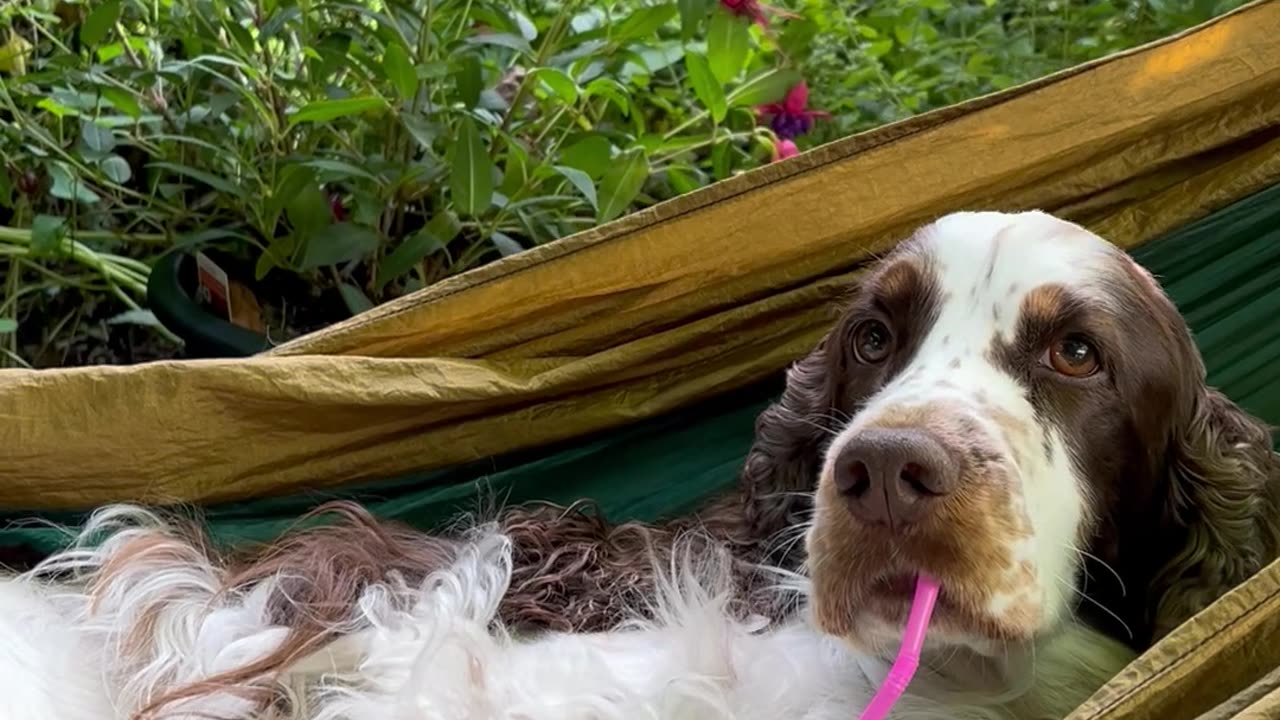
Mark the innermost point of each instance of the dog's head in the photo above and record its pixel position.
(1012, 405)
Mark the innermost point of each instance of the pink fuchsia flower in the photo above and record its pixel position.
(753, 10)
(337, 209)
(792, 117)
(784, 149)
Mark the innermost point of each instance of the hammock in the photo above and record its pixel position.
(627, 363)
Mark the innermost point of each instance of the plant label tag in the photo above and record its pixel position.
(213, 288)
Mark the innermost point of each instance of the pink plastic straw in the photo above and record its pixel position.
(908, 659)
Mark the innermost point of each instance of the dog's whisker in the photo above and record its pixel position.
(1106, 566)
(1110, 613)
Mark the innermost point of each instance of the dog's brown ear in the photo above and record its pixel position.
(782, 466)
(1223, 500)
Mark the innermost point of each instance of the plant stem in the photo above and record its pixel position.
(23, 236)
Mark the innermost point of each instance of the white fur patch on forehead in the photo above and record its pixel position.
(987, 262)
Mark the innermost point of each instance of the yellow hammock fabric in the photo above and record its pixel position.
(688, 300)
(1222, 664)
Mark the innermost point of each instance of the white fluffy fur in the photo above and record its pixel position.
(441, 657)
(46, 671)
(68, 654)
(435, 652)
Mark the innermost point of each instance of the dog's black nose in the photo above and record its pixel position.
(893, 477)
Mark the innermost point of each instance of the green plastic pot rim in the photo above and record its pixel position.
(205, 334)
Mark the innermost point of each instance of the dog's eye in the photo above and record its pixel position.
(872, 342)
(1073, 356)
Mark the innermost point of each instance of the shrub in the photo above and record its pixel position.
(349, 151)
(368, 147)
(871, 63)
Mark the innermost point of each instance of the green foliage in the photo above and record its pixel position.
(871, 63)
(328, 138)
(372, 147)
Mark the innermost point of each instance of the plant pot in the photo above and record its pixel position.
(171, 294)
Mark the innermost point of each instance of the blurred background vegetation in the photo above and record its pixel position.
(336, 154)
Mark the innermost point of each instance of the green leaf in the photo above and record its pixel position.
(798, 37)
(339, 169)
(213, 181)
(47, 234)
(622, 183)
(435, 236)
(767, 87)
(8, 326)
(471, 180)
(278, 21)
(308, 212)
(142, 317)
(357, 302)
(400, 70)
(592, 155)
(292, 180)
(643, 24)
(420, 128)
(507, 40)
(68, 186)
(879, 48)
(705, 85)
(99, 22)
(559, 83)
(728, 41)
(336, 244)
(278, 254)
(979, 64)
(241, 36)
(682, 180)
(505, 244)
(97, 138)
(327, 110)
(720, 160)
(433, 70)
(469, 80)
(582, 181)
(515, 169)
(613, 91)
(123, 101)
(692, 13)
(528, 30)
(57, 108)
(116, 169)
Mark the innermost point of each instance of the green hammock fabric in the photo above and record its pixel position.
(1223, 271)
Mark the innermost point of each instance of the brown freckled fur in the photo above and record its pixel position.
(1146, 432)
(1044, 304)
(897, 280)
(966, 544)
(1015, 429)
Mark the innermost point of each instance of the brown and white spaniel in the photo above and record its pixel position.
(1008, 404)
(1013, 404)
